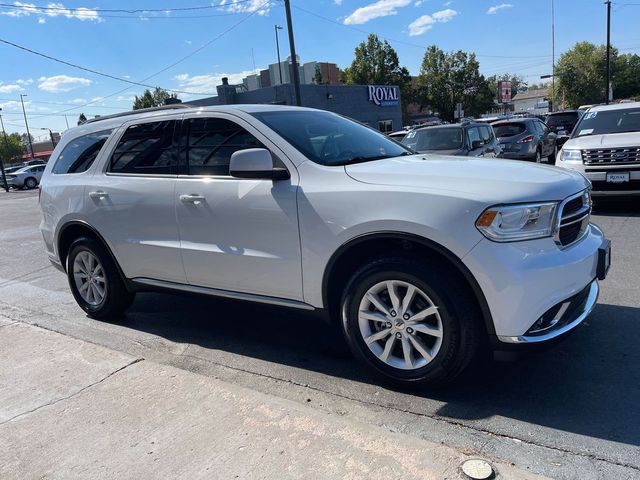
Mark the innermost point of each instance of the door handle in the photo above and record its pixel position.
(192, 198)
(99, 195)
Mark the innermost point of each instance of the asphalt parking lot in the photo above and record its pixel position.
(572, 412)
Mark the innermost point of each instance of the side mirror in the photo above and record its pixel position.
(255, 163)
(477, 144)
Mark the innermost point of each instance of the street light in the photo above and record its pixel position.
(6, 141)
(53, 142)
(277, 27)
(22, 95)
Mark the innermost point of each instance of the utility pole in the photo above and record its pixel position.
(6, 141)
(553, 56)
(292, 46)
(607, 89)
(53, 143)
(66, 121)
(278, 50)
(22, 95)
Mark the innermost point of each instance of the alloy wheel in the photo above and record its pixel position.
(89, 277)
(400, 324)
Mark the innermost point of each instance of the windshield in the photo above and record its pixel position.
(608, 121)
(329, 139)
(565, 120)
(434, 139)
(509, 129)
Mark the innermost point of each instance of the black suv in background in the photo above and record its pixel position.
(471, 139)
(526, 139)
(562, 123)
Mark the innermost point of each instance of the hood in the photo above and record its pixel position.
(490, 180)
(610, 140)
(454, 151)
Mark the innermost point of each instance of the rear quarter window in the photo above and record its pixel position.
(80, 153)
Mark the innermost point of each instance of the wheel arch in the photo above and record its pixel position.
(346, 260)
(74, 229)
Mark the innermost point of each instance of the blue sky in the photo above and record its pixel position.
(507, 35)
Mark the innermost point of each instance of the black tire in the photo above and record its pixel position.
(461, 331)
(116, 298)
(30, 183)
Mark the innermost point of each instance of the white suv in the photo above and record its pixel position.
(421, 259)
(605, 147)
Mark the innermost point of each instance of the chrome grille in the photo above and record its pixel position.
(611, 156)
(573, 219)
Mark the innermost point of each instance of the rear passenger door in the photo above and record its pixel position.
(236, 234)
(489, 141)
(130, 200)
(474, 135)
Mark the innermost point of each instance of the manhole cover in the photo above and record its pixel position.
(477, 469)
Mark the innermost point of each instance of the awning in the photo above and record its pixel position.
(46, 153)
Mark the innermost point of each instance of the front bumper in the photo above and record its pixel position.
(523, 281)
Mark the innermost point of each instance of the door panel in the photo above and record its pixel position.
(236, 234)
(135, 211)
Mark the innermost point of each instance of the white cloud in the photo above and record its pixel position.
(418, 3)
(421, 24)
(62, 83)
(125, 98)
(10, 88)
(54, 10)
(381, 8)
(206, 84)
(337, 2)
(78, 101)
(28, 81)
(246, 6)
(493, 10)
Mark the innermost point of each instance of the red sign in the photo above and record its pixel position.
(504, 92)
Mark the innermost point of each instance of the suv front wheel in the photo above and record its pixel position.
(95, 280)
(411, 323)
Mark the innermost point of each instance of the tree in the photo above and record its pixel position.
(11, 148)
(157, 98)
(376, 63)
(449, 78)
(583, 69)
(626, 75)
(82, 119)
(317, 76)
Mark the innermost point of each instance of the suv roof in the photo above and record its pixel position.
(615, 106)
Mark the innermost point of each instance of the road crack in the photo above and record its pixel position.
(74, 394)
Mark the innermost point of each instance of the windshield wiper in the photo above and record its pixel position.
(361, 159)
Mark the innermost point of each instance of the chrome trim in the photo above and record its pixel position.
(215, 292)
(590, 303)
(586, 215)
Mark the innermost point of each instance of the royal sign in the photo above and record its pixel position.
(384, 96)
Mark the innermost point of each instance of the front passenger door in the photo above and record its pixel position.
(235, 234)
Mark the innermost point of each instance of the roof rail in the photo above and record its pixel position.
(174, 106)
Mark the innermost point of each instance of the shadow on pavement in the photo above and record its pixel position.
(588, 384)
(617, 207)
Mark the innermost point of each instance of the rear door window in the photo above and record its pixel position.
(80, 153)
(474, 134)
(485, 133)
(146, 148)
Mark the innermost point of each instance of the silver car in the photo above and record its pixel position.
(28, 177)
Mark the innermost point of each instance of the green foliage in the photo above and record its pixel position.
(317, 77)
(157, 98)
(82, 119)
(377, 63)
(11, 147)
(448, 78)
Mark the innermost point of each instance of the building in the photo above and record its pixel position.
(532, 101)
(378, 106)
(329, 72)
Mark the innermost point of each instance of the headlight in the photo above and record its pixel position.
(569, 155)
(511, 223)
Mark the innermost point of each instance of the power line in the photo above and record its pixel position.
(404, 42)
(189, 55)
(90, 70)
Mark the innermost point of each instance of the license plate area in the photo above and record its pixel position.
(617, 177)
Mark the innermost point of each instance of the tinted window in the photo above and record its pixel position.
(80, 153)
(212, 141)
(474, 134)
(485, 133)
(564, 120)
(146, 148)
(330, 139)
(447, 138)
(508, 129)
(608, 121)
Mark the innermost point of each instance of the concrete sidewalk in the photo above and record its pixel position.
(72, 409)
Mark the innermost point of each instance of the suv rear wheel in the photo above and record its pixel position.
(411, 323)
(95, 280)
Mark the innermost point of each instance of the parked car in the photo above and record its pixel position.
(399, 135)
(418, 259)
(471, 139)
(526, 139)
(26, 177)
(562, 123)
(605, 147)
